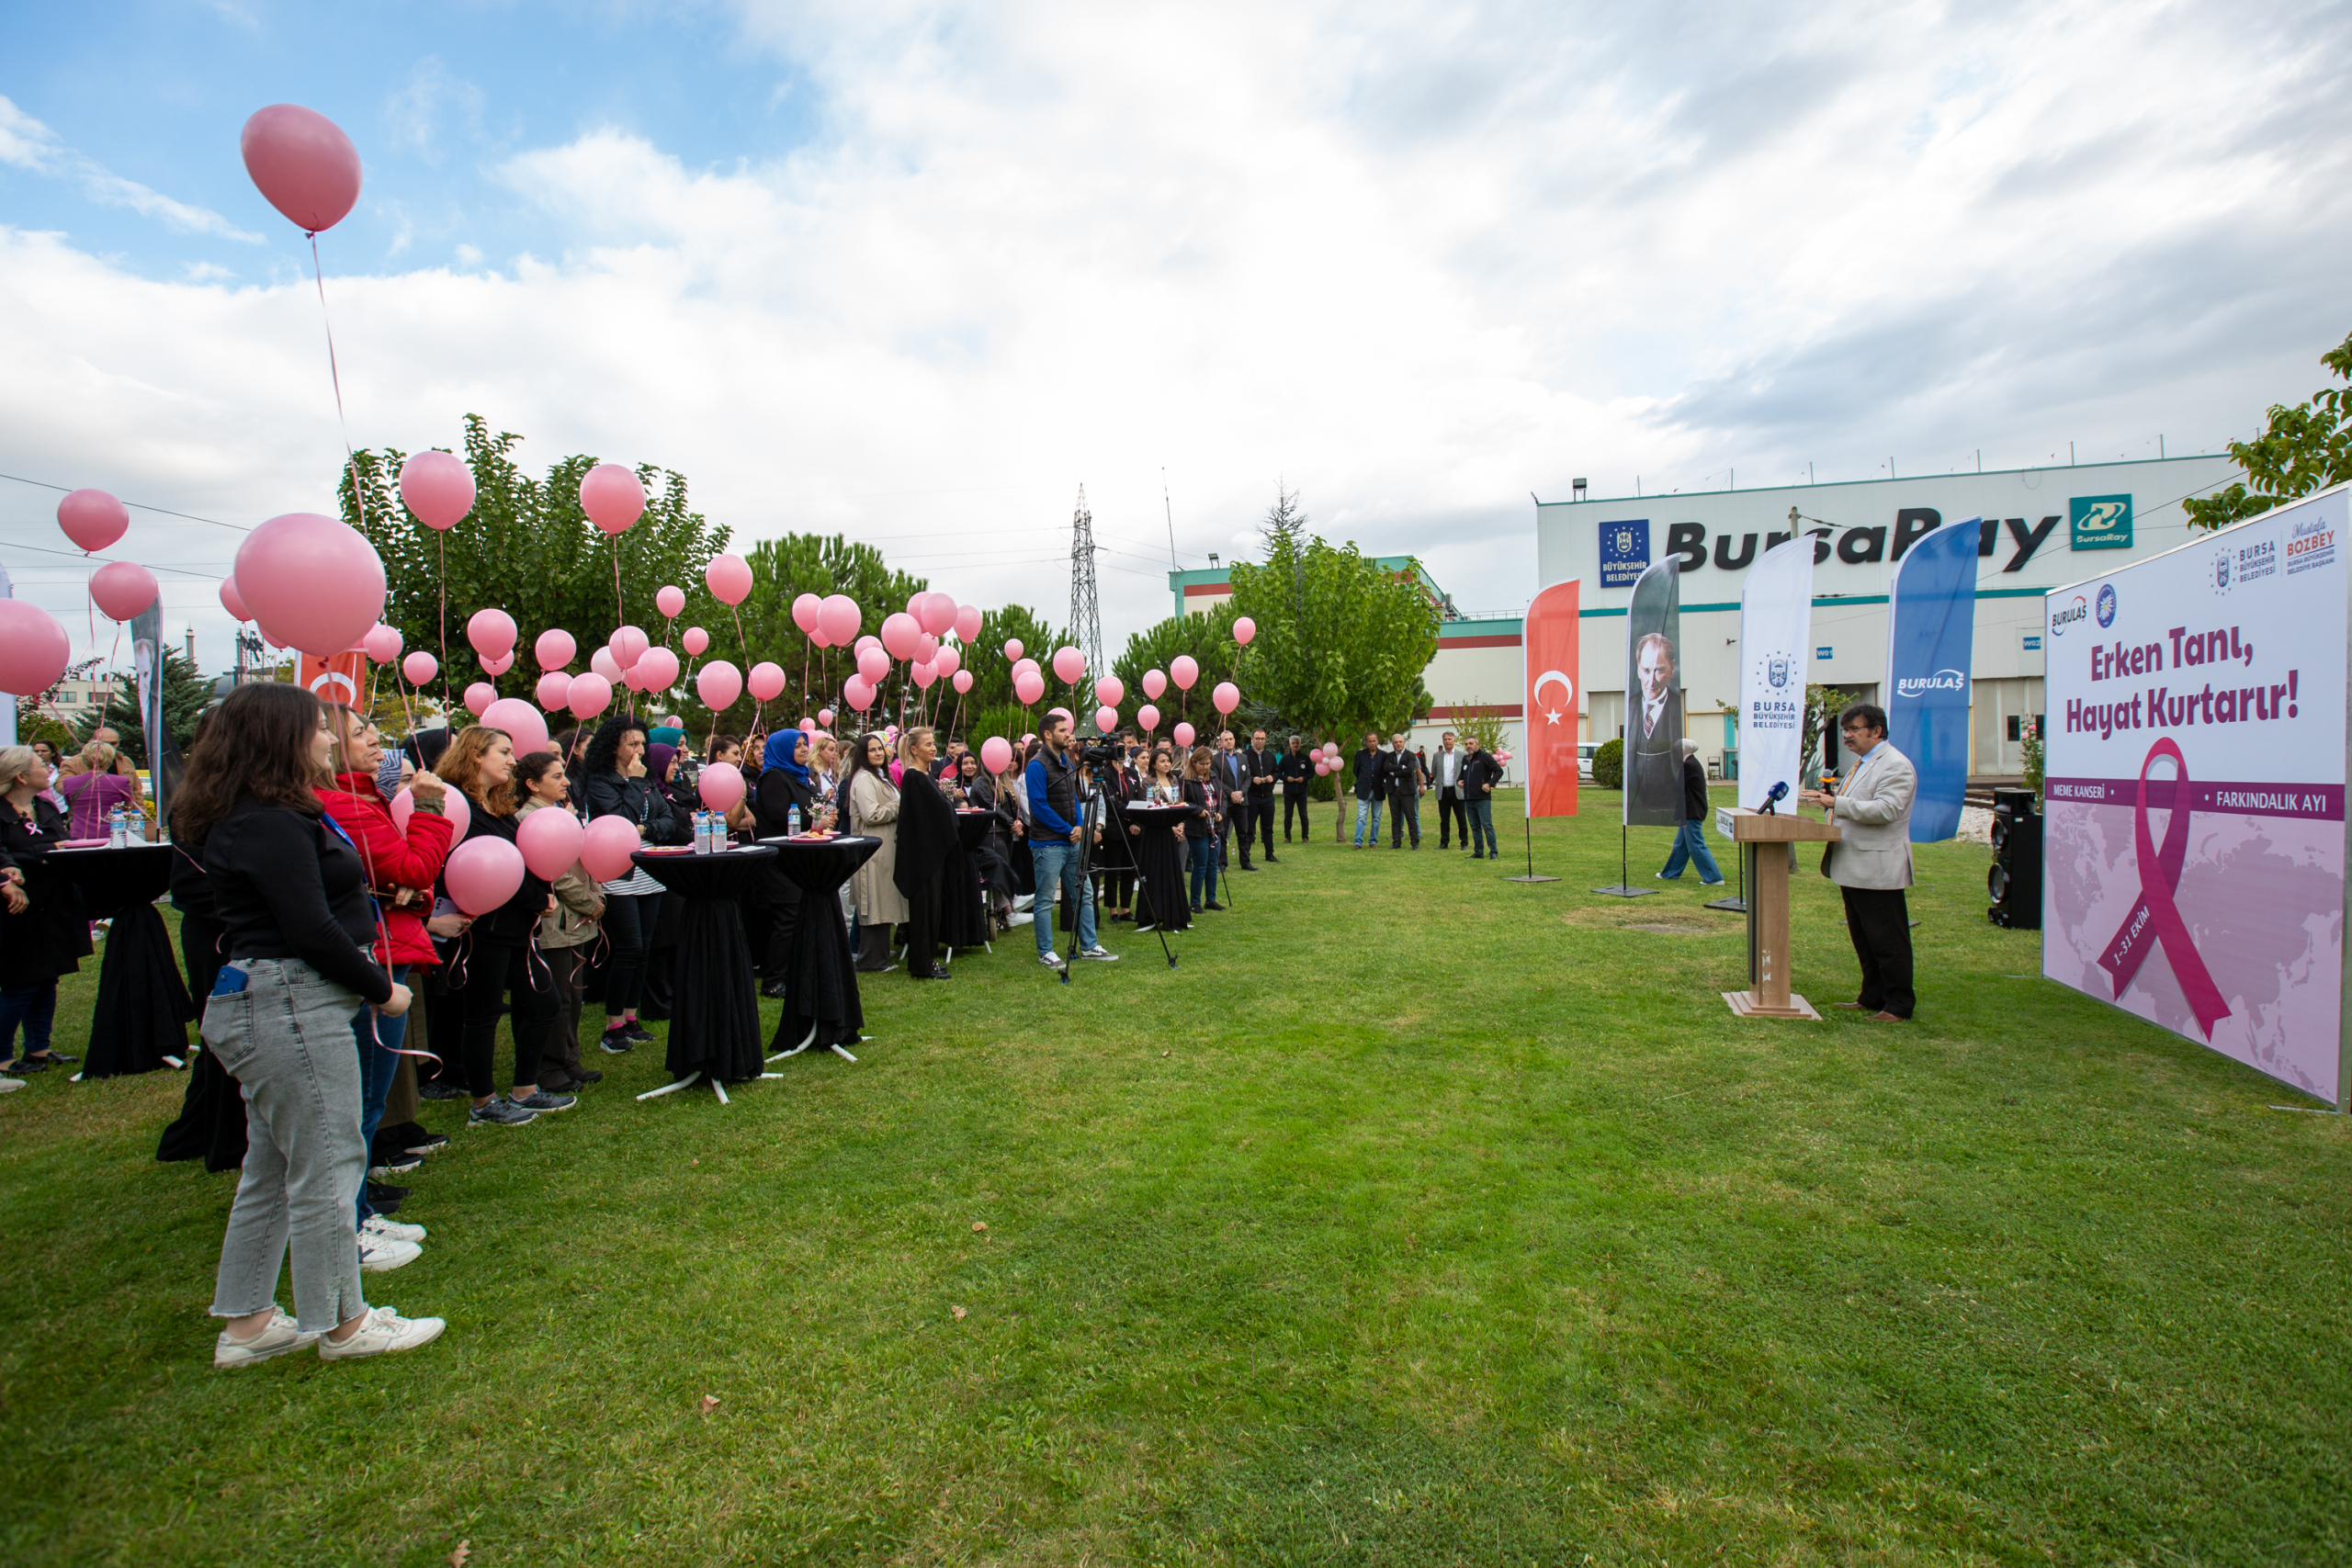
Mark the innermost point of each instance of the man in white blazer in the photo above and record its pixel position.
(1871, 863)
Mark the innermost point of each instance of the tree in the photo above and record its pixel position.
(992, 671)
(1485, 728)
(2304, 449)
(185, 690)
(1207, 638)
(527, 548)
(783, 570)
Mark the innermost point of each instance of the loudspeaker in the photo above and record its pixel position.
(2015, 882)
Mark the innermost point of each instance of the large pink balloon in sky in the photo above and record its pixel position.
(1154, 682)
(858, 692)
(937, 613)
(901, 637)
(1227, 696)
(718, 683)
(522, 722)
(1013, 648)
(554, 691)
(1069, 665)
(311, 581)
(231, 601)
(438, 488)
(555, 650)
(588, 694)
(839, 619)
(1244, 628)
(93, 519)
(1183, 671)
(419, 668)
(805, 610)
(657, 669)
(305, 167)
(873, 663)
(729, 578)
(492, 632)
(1028, 685)
(34, 648)
(968, 622)
(670, 600)
(122, 589)
(695, 641)
(612, 497)
(766, 681)
(382, 643)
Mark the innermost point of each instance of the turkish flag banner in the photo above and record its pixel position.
(342, 678)
(1549, 644)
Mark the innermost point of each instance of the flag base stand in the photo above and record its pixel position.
(1728, 905)
(1624, 889)
(1531, 879)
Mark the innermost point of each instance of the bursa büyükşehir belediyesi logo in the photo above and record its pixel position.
(2067, 612)
(2106, 605)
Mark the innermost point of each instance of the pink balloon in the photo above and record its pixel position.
(1069, 665)
(93, 519)
(589, 696)
(938, 612)
(603, 662)
(657, 668)
(729, 578)
(419, 668)
(718, 683)
(924, 674)
(1061, 713)
(1012, 649)
(550, 842)
(632, 680)
(1110, 691)
(606, 847)
(721, 786)
(996, 753)
(312, 580)
(500, 665)
(522, 722)
(1184, 734)
(1183, 671)
(806, 726)
(453, 810)
(266, 638)
(438, 488)
(479, 696)
(695, 641)
(382, 643)
(492, 632)
(806, 609)
(1227, 696)
(825, 718)
(122, 589)
(1154, 683)
(1321, 767)
(232, 601)
(34, 648)
(1106, 719)
(554, 691)
(555, 650)
(1028, 686)
(873, 663)
(839, 619)
(612, 497)
(927, 649)
(669, 600)
(963, 682)
(303, 164)
(1019, 665)
(868, 641)
(766, 681)
(947, 661)
(628, 645)
(1244, 628)
(968, 622)
(901, 636)
(858, 692)
(1148, 716)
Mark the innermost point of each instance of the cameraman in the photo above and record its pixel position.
(1056, 789)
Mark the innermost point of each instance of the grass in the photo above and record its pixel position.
(1417, 1217)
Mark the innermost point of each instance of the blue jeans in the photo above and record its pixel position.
(1372, 806)
(34, 1007)
(1691, 845)
(1203, 857)
(1482, 827)
(379, 1039)
(1057, 876)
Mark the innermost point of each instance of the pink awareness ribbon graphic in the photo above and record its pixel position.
(2155, 917)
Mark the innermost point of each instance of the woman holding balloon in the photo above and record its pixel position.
(494, 969)
(570, 924)
(618, 786)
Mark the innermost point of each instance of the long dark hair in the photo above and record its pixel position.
(858, 764)
(528, 770)
(257, 743)
(604, 750)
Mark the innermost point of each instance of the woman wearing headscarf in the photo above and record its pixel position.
(926, 842)
(873, 812)
(785, 787)
(618, 786)
(42, 933)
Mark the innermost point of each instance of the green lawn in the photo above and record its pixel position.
(1417, 1217)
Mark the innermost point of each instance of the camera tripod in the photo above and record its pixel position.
(1089, 818)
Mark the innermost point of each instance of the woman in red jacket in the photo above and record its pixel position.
(401, 869)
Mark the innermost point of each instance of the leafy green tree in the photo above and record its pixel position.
(528, 549)
(2304, 449)
(185, 690)
(992, 671)
(1208, 638)
(783, 570)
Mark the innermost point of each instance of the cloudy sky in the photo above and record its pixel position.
(916, 273)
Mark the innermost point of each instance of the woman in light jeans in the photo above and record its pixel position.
(291, 892)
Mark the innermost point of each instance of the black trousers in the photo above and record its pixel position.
(629, 926)
(782, 906)
(1293, 800)
(1261, 820)
(1237, 826)
(1879, 922)
(922, 929)
(494, 973)
(1404, 813)
(1449, 811)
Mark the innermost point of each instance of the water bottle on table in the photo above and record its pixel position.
(116, 831)
(792, 822)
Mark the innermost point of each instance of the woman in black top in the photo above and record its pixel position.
(616, 785)
(290, 893)
(42, 933)
(784, 785)
(496, 960)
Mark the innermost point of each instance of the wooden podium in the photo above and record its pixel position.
(1768, 909)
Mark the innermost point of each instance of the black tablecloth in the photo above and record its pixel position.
(962, 906)
(821, 1001)
(142, 1010)
(715, 1003)
(1159, 860)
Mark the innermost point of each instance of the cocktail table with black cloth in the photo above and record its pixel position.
(1160, 862)
(715, 1007)
(143, 1009)
(820, 1001)
(962, 906)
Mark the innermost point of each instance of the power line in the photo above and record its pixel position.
(165, 511)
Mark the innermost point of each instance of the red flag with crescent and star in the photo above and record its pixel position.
(342, 679)
(1550, 644)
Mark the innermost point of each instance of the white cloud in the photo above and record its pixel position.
(418, 113)
(25, 144)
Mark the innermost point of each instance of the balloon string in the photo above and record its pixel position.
(441, 542)
(618, 619)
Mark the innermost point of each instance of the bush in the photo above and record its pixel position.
(1609, 765)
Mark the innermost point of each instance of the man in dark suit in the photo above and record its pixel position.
(1263, 766)
(1405, 781)
(1296, 770)
(1231, 773)
(1654, 737)
(1370, 774)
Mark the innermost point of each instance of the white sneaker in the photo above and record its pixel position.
(381, 1253)
(390, 1230)
(1022, 918)
(10, 1086)
(1052, 961)
(1099, 954)
(383, 1332)
(280, 1336)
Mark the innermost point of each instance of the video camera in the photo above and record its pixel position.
(1102, 751)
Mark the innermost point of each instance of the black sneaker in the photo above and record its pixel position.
(588, 1074)
(617, 1042)
(382, 1192)
(436, 1089)
(1213, 904)
(425, 1143)
(635, 1034)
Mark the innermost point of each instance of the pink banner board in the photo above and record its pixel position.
(2194, 827)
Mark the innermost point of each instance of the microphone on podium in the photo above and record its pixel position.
(1778, 793)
